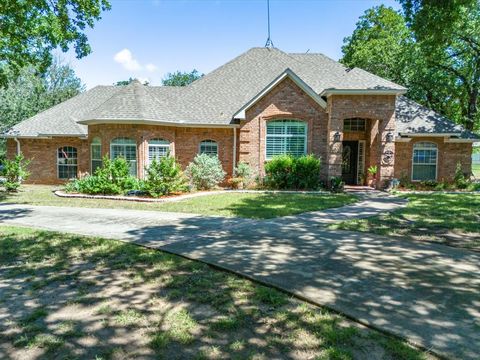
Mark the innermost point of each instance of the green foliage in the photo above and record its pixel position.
(244, 173)
(128, 82)
(434, 51)
(112, 178)
(289, 172)
(383, 28)
(337, 184)
(164, 177)
(373, 170)
(460, 181)
(205, 172)
(31, 30)
(180, 78)
(15, 171)
(30, 92)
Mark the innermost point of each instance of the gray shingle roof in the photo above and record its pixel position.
(211, 100)
(413, 118)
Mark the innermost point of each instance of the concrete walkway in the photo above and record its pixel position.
(427, 293)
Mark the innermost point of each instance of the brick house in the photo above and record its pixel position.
(263, 103)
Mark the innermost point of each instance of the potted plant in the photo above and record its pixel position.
(372, 172)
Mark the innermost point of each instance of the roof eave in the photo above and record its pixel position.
(180, 123)
(329, 92)
(240, 114)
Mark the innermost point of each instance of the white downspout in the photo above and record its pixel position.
(234, 150)
(18, 145)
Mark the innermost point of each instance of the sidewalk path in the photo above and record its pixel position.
(427, 293)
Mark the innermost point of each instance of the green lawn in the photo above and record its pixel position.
(451, 219)
(66, 296)
(248, 205)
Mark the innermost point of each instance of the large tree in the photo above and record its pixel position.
(30, 92)
(443, 77)
(180, 78)
(449, 34)
(31, 29)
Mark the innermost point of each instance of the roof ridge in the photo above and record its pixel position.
(206, 76)
(108, 99)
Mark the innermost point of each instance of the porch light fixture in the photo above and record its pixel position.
(389, 137)
(336, 137)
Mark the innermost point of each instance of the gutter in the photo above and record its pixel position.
(19, 151)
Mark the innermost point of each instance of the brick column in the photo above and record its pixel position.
(386, 151)
(334, 149)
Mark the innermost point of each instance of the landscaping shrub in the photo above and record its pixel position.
(15, 172)
(289, 172)
(112, 178)
(461, 182)
(307, 172)
(244, 174)
(205, 172)
(164, 176)
(337, 185)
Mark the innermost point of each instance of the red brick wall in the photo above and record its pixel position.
(380, 110)
(449, 154)
(284, 101)
(185, 141)
(43, 156)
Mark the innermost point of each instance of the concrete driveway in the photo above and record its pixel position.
(427, 293)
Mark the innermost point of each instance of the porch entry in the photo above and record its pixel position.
(353, 162)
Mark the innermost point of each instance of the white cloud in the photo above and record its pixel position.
(126, 59)
(151, 67)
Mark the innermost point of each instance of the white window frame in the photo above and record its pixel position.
(208, 142)
(126, 142)
(67, 165)
(418, 146)
(95, 142)
(285, 136)
(158, 144)
(361, 159)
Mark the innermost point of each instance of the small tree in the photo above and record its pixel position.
(15, 172)
(164, 176)
(205, 172)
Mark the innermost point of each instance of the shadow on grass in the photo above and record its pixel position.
(266, 206)
(86, 297)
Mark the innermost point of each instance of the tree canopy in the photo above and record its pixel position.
(30, 92)
(180, 78)
(31, 29)
(434, 54)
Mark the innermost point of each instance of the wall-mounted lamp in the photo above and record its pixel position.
(337, 137)
(389, 137)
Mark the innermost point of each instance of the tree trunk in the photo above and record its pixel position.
(471, 109)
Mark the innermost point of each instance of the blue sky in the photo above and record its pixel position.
(148, 38)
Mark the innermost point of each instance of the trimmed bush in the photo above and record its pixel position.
(205, 172)
(461, 182)
(112, 178)
(164, 176)
(15, 172)
(288, 172)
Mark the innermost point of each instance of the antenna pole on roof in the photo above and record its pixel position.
(269, 43)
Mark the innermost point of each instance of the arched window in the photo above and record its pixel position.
(286, 137)
(424, 162)
(209, 147)
(95, 154)
(158, 148)
(126, 148)
(67, 162)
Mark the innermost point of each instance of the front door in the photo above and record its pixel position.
(349, 162)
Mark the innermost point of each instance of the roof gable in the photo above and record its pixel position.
(240, 114)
